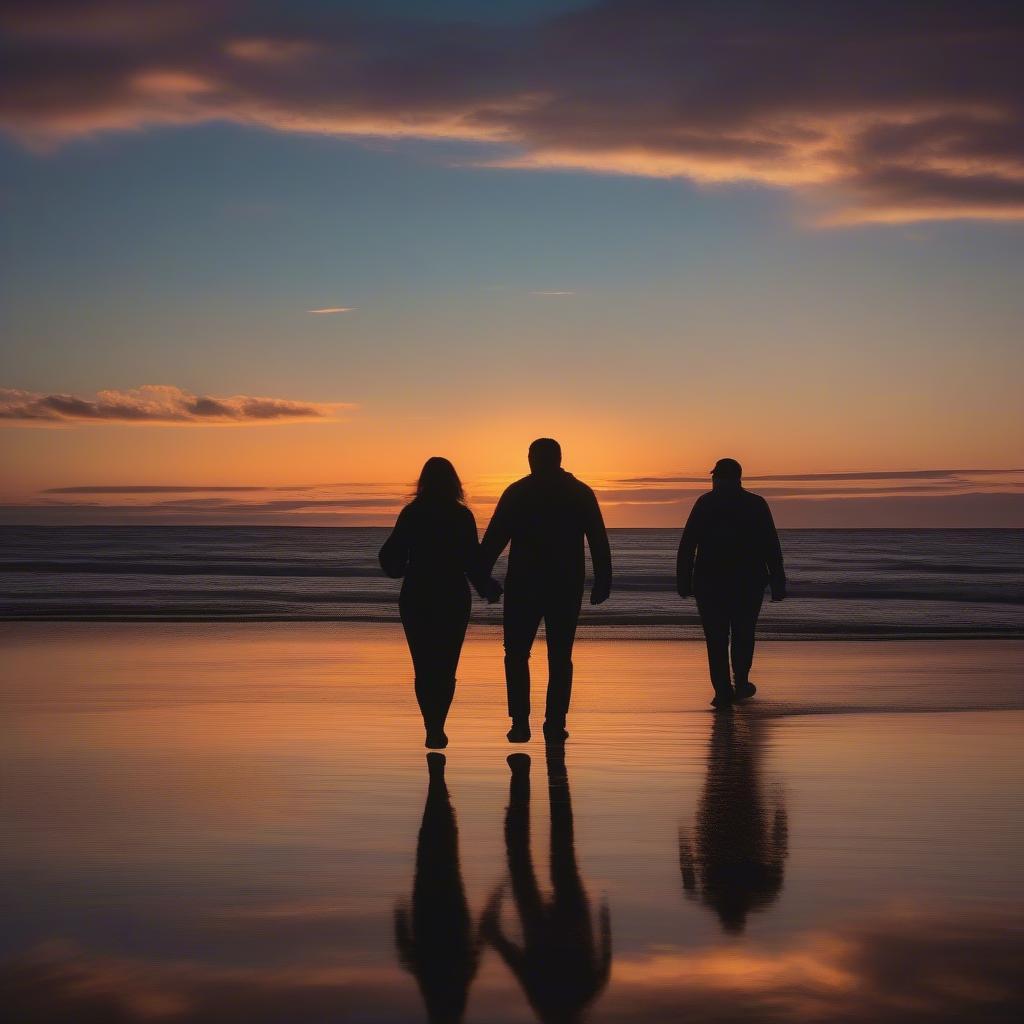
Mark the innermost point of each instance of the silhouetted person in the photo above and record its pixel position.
(434, 546)
(728, 553)
(436, 942)
(736, 864)
(562, 965)
(546, 516)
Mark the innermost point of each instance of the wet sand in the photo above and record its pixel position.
(234, 823)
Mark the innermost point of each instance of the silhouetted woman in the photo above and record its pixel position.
(436, 940)
(434, 546)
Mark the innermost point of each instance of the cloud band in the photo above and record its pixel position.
(156, 403)
(876, 111)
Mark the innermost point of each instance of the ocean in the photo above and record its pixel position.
(844, 584)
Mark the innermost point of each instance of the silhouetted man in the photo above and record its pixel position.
(737, 862)
(545, 515)
(564, 962)
(728, 553)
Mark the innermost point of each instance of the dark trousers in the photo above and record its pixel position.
(524, 609)
(435, 627)
(729, 617)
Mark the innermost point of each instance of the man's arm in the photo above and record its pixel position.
(773, 557)
(497, 535)
(600, 550)
(688, 551)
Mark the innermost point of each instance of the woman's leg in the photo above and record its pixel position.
(418, 632)
(451, 635)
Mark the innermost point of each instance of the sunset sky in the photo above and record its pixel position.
(261, 260)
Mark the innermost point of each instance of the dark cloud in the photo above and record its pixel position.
(154, 403)
(878, 111)
(878, 510)
(169, 514)
(143, 489)
(675, 494)
(947, 511)
(909, 474)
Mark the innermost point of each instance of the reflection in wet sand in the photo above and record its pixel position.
(735, 863)
(561, 964)
(436, 940)
(214, 824)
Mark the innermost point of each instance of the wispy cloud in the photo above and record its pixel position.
(157, 403)
(552, 292)
(876, 112)
(332, 309)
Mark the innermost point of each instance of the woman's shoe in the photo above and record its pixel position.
(744, 691)
(436, 740)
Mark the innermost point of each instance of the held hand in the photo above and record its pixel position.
(493, 591)
(683, 592)
(779, 592)
(599, 593)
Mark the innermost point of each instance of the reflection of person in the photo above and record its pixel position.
(545, 516)
(434, 546)
(561, 965)
(728, 552)
(436, 941)
(736, 863)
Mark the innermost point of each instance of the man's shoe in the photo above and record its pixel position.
(722, 700)
(744, 691)
(436, 740)
(519, 733)
(555, 733)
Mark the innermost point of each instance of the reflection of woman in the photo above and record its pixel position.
(436, 941)
(736, 864)
(562, 965)
(434, 546)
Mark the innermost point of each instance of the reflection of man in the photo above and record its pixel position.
(436, 941)
(728, 552)
(736, 864)
(562, 965)
(546, 516)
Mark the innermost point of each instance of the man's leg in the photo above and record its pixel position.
(521, 619)
(746, 607)
(560, 619)
(714, 618)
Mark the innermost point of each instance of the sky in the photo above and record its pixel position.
(261, 260)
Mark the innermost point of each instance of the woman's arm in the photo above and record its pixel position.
(394, 555)
(472, 564)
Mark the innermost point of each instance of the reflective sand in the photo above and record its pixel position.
(236, 823)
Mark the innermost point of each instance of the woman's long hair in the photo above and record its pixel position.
(439, 482)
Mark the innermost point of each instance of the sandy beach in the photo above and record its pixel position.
(212, 822)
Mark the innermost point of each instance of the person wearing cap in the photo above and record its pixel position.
(546, 516)
(728, 553)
